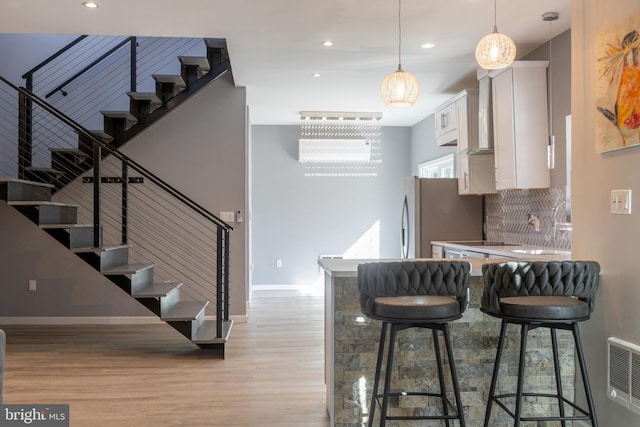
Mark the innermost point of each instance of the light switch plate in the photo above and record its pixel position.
(228, 216)
(621, 202)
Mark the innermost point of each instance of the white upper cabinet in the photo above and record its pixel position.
(475, 170)
(520, 125)
(476, 173)
(446, 125)
(456, 122)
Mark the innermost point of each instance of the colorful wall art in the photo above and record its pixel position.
(618, 86)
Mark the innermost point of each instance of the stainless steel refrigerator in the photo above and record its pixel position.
(433, 210)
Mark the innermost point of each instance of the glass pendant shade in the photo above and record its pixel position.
(495, 51)
(400, 89)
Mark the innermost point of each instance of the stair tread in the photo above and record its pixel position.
(126, 269)
(200, 61)
(44, 226)
(44, 169)
(39, 203)
(145, 96)
(160, 289)
(213, 42)
(185, 310)
(170, 78)
(115, 114)
(74, 151)
(100, 249)
(101, 134)
(25, 181)
(206, 333)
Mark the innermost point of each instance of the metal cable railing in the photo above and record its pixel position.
(94, 73)
(126, 202)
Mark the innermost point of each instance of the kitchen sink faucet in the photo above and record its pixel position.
(561, 227)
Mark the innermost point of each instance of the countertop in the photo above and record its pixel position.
(539, 253)
(349, 267)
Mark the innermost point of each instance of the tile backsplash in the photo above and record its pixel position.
(507, 217)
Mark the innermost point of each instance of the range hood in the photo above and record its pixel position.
(485, 119)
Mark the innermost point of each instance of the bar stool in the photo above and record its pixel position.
(554, 295)
(414, 294)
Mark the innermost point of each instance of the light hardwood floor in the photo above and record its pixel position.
(149, 375)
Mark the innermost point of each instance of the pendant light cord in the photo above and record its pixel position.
(495, 16)
(399, 35)
(550, 84)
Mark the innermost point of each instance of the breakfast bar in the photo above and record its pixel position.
(351, 348)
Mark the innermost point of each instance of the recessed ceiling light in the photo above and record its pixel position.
(428, 45)
(315, 75)
(327, 43)
(90, 4)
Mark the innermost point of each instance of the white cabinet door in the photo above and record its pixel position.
(446, 122)
(520, 125)
(476, 174)
(503, 128)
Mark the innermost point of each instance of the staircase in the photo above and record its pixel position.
(31, 191)
(59, 220)
(119, 127)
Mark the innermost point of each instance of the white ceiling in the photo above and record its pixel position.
(275, 45)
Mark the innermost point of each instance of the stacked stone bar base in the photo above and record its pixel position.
(354, 339)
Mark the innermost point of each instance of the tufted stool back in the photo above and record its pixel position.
(415, 294)
(578, 279)
(555, 295)
(411, 278)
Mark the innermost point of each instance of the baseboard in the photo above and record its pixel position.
(277, 287)
(312, 288)
(84, 320)
(238, 318)
(105, 320)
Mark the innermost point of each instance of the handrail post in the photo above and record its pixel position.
(134, 64)
(97, 154)
(219, 280)
(226, 274)
(25, 135)
(125, 198)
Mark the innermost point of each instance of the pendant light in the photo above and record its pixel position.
(495, 50)
(551, 146)
(400, 89)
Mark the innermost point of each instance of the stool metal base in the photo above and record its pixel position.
(588, 415)
(450, 411)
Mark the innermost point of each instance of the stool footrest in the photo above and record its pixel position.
(450, 406)
(586, 415)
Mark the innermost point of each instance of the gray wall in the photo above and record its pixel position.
(296, 218)
(200, 149)
(66, 285)
(423, 144)
(598, 235)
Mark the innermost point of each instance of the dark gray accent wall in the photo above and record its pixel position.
(560, 82)
(26, 51)
(296, 218)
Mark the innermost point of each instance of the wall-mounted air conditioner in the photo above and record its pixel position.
(623, 376)
(334, 150)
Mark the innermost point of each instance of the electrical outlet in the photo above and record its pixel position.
(278, 263)
(32, 285)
